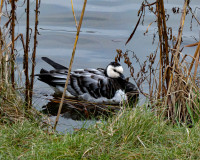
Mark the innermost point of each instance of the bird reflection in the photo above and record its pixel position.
(79, 110)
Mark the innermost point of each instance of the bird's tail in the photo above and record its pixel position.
(53, 64)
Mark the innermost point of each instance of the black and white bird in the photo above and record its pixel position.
(95, 85)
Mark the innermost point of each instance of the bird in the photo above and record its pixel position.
(99, 85)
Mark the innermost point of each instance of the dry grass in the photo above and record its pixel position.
(173, 91)
(11, 109)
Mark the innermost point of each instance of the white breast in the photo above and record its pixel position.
(120, 96)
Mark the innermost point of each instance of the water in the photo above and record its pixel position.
(106, 26)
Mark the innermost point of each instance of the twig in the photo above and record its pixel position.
(9, 44)
(192, 45)
(70, 66)
(130, 37)
(193, 15)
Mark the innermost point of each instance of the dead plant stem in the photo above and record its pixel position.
(196, 65)
(13, 44)
(161, 56)
(26, 55)
(74, 14)
(195, 54)
(177, 47)
(165, 38)
(1, 9)
(34, 52)
(71, 62)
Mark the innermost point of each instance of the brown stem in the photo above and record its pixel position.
(1, 57)
(1, 8)
(70, 66)
(34, 51)
(196, 65)
(165, 38)
(13, 44)
(26, 56)
(195, 55)
(177, 47)
(74, 13)
(159, 24)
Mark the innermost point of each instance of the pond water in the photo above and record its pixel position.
(106, 26)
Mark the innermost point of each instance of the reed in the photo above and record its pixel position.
(27, 83)
(71, 62)
(37, 3)
(13, 43)
(74, 14)
(7, 58)
(175, 93)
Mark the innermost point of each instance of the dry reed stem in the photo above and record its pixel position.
(177, 47)
(192, 45)
(165, 38)
(1, 9)
(178, 43)
(1, 57)
(196, 65)
(194, 15)
(195, 54)
(159, 24)
(13, 44)
(130, 37)
(26, 55)
(34, 51)
(9, 44)
(71, 62)
(74, 14)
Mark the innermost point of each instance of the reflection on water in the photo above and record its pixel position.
(77, 113)
(106, 26)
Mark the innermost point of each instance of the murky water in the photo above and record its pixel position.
(106, 26)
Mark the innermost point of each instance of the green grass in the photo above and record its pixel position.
(133, 134)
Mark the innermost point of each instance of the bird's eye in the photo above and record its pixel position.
(114, 70)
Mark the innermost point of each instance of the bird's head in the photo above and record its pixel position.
(115, 70)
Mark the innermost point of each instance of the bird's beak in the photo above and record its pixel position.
(122, 76)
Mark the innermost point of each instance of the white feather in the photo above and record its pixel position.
(119, 97)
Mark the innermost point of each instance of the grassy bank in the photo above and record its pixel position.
(132, 134)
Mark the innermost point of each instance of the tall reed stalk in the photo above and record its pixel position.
(74, 14)
(27, 98)
(1, 9)
(1, 53)
(34, 50)
(13, 43)
(164, 47)
(71, 62)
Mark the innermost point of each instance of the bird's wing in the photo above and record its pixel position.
(53, 77)
(90, 81)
